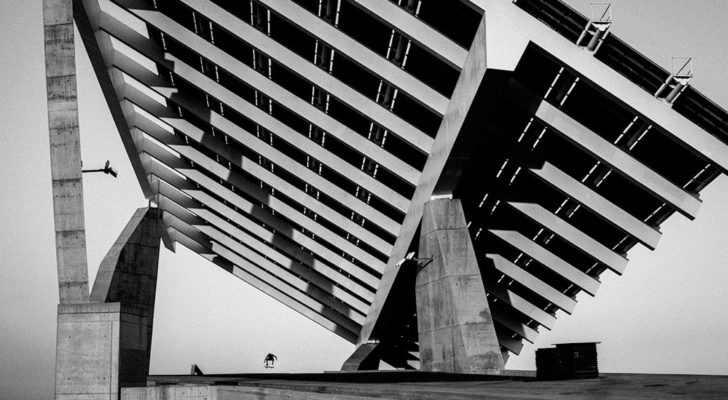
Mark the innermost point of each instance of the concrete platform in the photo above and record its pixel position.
(420, 385)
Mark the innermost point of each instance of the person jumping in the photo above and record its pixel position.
(269, 360)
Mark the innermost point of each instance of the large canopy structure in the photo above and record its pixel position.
(298, 143)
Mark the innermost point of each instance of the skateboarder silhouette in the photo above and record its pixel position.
(269, 360)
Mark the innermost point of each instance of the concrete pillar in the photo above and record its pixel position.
(456, 331)
(105, 345)
(65, 150)
(365, 358)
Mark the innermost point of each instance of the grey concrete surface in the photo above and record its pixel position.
(417, 386)
(65, 150)
(460, 102)
(365, 358)
(456, 332)
(106, 344)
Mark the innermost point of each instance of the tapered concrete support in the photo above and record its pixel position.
(454, 322)
(365, 358)
(105, 345)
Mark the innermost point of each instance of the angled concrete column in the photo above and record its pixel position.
(105, 344)
(454, 322)
(65, 149)
(365, 358)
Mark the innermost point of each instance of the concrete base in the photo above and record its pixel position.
(456, 332)
(105, 345)
(417, 385)
(229, 393)
(365, 358)
(101, 347)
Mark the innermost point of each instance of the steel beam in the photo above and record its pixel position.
(274, 288)
(575, 237)
(300, 197)
(621, 161)
(358, 53)
(284, 187)
(228, 248)
(280, 207)
(268, 259)
(598, 204)
(549, 260)
(509, 342)
(522, 305)
(317, 76)
(278, 93)
(512, 322)
(257, 115)
(87, 16)
(541, 288)
(430, 39)
(199, 214)
(513, 30)
(192, 198)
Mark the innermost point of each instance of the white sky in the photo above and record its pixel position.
(666, 314)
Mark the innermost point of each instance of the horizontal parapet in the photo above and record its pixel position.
(549, 260)
(595, 202)
(541, 288)
(575, 237)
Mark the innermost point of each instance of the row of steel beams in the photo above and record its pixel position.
(370, 60)
(624, 164)
(198, 198)
(297, 280)
(213, 166)
(268, 285)
(222, 230)
(417, 30)
(598, 204)
(575, 237)
(549, 260)
(621, 161)
(146, 48)
(230, 128)
(316, 75)
(278, 93)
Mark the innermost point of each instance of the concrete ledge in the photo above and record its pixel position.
(424, 385)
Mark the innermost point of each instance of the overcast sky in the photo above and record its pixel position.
(666, 314)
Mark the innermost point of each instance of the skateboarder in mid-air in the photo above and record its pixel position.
(269, 360)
